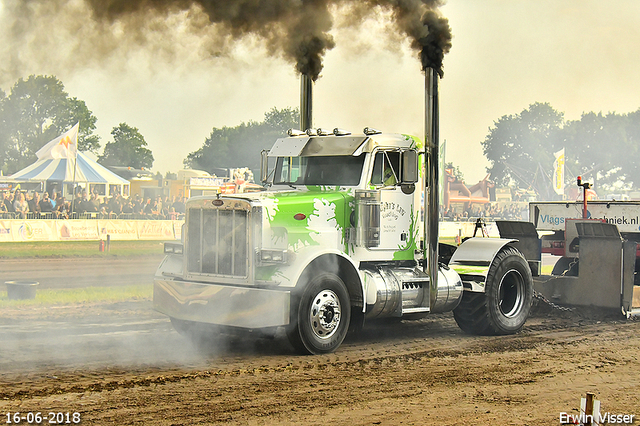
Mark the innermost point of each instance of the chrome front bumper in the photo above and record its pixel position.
(221, 304)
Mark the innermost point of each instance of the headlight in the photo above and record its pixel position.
(275, 256)
(173, 248)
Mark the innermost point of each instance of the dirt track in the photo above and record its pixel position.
(81, 272)
(123, 364)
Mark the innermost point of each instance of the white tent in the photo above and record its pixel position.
(59, 164)
(60, 172)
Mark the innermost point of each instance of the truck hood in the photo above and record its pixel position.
(302, 217)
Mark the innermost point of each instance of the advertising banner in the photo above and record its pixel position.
(13, 230)
(118, 229)
(5, 231)
(155, 229)
(77, 230)
(33, 230)
(558, 172)
(550, 216)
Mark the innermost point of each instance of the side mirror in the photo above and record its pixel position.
(264, 166)
(409, 166)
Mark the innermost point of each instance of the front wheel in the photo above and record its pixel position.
(320, 320)
(504, 306)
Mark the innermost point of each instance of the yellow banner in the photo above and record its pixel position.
(558, 172)
(77, 229)
(33, 230)
(118, 229)
(155, 230)
(5, 230)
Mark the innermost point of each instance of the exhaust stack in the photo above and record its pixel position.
(431, 202)
(306, 102)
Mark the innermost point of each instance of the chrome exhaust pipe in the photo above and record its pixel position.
(306, 102)
(431, 202)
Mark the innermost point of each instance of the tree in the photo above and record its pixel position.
(240, 146)
(605, 148)
(127, 149)
(35, 111)
(520, 147)
(455, 171)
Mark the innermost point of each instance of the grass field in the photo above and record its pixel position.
(78, 249)
(52, 297)
(80, 296)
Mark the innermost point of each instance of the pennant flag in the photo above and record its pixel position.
(64, 146)
(558, 172)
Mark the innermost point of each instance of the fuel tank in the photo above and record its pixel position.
(396, 291)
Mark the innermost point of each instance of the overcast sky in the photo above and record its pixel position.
(578, 55)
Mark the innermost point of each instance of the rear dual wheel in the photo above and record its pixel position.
(504, 306)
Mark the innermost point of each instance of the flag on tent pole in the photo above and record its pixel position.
(558, 172)
(64, 146)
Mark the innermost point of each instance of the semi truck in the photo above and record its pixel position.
(336, 239)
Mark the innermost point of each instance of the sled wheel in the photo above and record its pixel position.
(504, 306)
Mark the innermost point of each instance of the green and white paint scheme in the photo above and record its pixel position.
(329, 209)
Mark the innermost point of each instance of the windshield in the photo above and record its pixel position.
(322, 170)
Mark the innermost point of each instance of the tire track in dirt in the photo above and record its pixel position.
(418, 372)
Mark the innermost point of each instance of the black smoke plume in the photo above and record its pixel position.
(298, 30)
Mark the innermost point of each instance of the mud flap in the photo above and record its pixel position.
(528, 242)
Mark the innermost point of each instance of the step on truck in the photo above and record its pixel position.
(335, 240)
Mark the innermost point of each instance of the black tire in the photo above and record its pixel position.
(320, 316)
(567, 266)
(504, 306)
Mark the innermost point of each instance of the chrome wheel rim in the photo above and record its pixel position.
(511, 293)
(325, 314)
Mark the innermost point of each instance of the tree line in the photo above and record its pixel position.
(38, 109)
(603, 148)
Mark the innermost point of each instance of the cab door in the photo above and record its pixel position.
(396, 207)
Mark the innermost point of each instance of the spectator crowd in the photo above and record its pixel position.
(489, 211)
(35, 205)
(21, 204)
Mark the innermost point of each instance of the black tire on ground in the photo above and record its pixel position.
(320, 316)
(504, 306)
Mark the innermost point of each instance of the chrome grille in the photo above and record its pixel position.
(217, 242)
